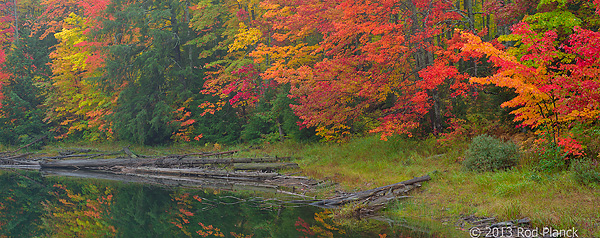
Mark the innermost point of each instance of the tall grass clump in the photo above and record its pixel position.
(487, 153)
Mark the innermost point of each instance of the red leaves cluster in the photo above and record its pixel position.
(557, 81)
(367, 60)
(509, 12)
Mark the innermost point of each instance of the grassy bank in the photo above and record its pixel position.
(548, 199)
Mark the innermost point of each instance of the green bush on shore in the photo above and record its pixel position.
(487, 153)
(586, 171)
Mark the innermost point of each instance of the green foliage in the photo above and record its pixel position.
(487, 153)
(140, 120)
(22, 111)
(272, 115)
(552, 158)
(559, 20)
(149, 61)
(586, 171)
(259, 125)
(589, 137)
(289, 120)
(222, 127)
(547, 2)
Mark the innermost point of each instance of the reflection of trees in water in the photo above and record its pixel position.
(31, 205)
(78, 214)
(20, 203)
(323, 226)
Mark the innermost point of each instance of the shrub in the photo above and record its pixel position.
(586, 171)
(487, 153)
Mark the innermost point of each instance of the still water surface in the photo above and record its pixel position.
(35, 205)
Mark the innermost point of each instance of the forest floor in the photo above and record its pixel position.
(453, 196)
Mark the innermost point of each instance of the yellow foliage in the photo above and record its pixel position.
(246, 36)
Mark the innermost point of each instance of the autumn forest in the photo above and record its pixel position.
(496, 102)
(154, 72)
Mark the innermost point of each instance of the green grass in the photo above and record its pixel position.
(549, 199)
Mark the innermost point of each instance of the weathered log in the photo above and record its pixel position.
(30, 144)
(160, 162)
(18, 156)
(21, 166)
(73, 156)
(220, 174)
(264, 166)
(371, 193)
(23, 147)
(202, 154)
(170, 181)
(75, 151)
(128, 152)
(220, 153)
(16, 160)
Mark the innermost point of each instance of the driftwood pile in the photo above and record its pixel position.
(206, 170)
(377, 196)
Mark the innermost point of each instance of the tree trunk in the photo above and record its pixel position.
(16, 22)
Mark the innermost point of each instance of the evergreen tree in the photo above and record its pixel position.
(149, 59)
(22, 111)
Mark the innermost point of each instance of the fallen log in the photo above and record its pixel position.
(21, 166)
(95, 163)
(75, 151)
(73, 156)
(18, 156)
(16, 160)
(164, 180)
(23, 147)
(220, 174)
(202, 154)
(265, 166)
(159, 162)
(30, 144)
(373, 197)
(216, 153)
(128, 152)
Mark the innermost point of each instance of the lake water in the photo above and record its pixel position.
(33, 204)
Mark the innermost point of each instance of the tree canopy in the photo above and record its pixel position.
(222, 71)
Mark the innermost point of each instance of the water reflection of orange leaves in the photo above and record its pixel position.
(186, 212)
(78, 215)
(177, 225)
(320, 218)
(181, 214)
(209, 230)
(197, 198)
(320, 229)
(65, 202)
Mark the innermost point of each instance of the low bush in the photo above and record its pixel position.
(487, 153)
(586, 171)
